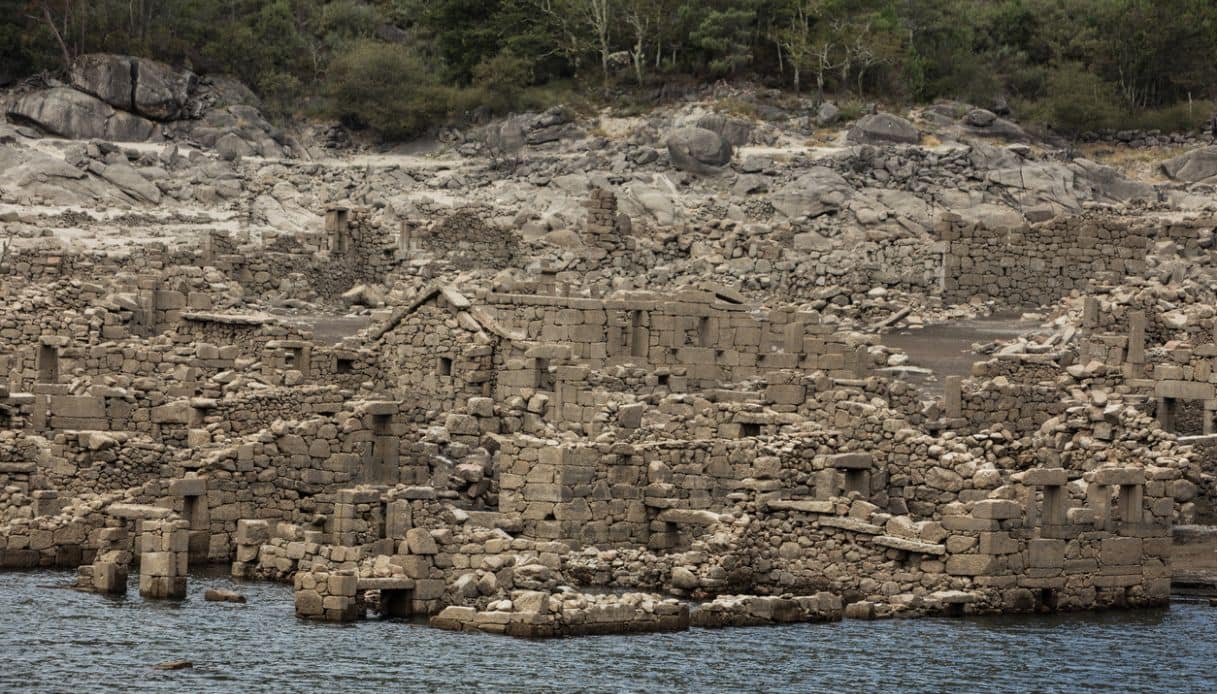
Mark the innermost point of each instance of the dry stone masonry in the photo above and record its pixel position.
(610, 411)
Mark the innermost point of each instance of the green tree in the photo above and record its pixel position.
(386, 87)
(724, 34)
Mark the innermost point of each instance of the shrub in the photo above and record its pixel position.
(1180, 117)
(1077, 100)
(386, 87)
(503, 78)
(281, 94)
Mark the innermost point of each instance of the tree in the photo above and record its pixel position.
(795, 37)
(640, 16)
(597, 15)
(49, 20)
(364, 88)
(724, 34)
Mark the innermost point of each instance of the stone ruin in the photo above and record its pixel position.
(567, 455)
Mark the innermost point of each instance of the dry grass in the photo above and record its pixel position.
(737, 107)
(597, 131)
(1139, 164)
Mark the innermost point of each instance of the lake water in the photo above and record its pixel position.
(946, 348)
(63, 640)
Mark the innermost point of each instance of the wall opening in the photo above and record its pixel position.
(1129, 503)
(48, 364)
(1048, 598)
(545, 380)
(747, 429)
(857, 481)
(382, 424)
(664, 379)
(336, 223)
(638, 346)
(345, 366)
(397, 603)
(1183, 417)
(703, 332)
(291, 358)
(194, 511)
(443, 367)
(1054, 505)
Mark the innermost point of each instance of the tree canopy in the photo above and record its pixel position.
(1131, 55)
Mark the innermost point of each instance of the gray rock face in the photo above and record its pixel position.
(70, 113)
(749, 184)
(827, 113)
(733, 130)
(1107, 183)
(230, 147)
(883, 128)
(107, 77)
(1196, 165)
(1004, 129)
(136, 85)
(161, 93)
(507, 138)
(979, 118)
(242, 122)
(699, 151)
(130, 182)
(979, 121)
(816, 192)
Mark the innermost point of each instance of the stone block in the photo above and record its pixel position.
(1049, 554)
(969, 523)
(997, 543)
(1117, 551)
(1041, 477)
(997, 509)
(343, 585)
(428, 589)
(158, 564)
(1184, 390)
(419, 541)
(850, 461)
(192, 486)
(1120, 476)
(971, 564)
(252, 532)
(78, 407)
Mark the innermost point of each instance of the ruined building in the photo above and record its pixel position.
(483, 450)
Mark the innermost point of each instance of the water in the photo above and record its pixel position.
(60, 640)
(946, 348)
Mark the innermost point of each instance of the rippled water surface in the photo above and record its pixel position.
(62, 640)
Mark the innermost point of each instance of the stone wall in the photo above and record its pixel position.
(1036, 264)
(714, 337)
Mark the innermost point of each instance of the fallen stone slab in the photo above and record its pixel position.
(908, 545)
(801, 505)
(852, 524)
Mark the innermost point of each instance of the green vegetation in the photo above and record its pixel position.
(402, 66)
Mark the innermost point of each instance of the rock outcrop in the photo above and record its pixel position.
(816, 192)
(137, 85)
(698, 150)
(883, 128)
(1190, 167)
(73, 114)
